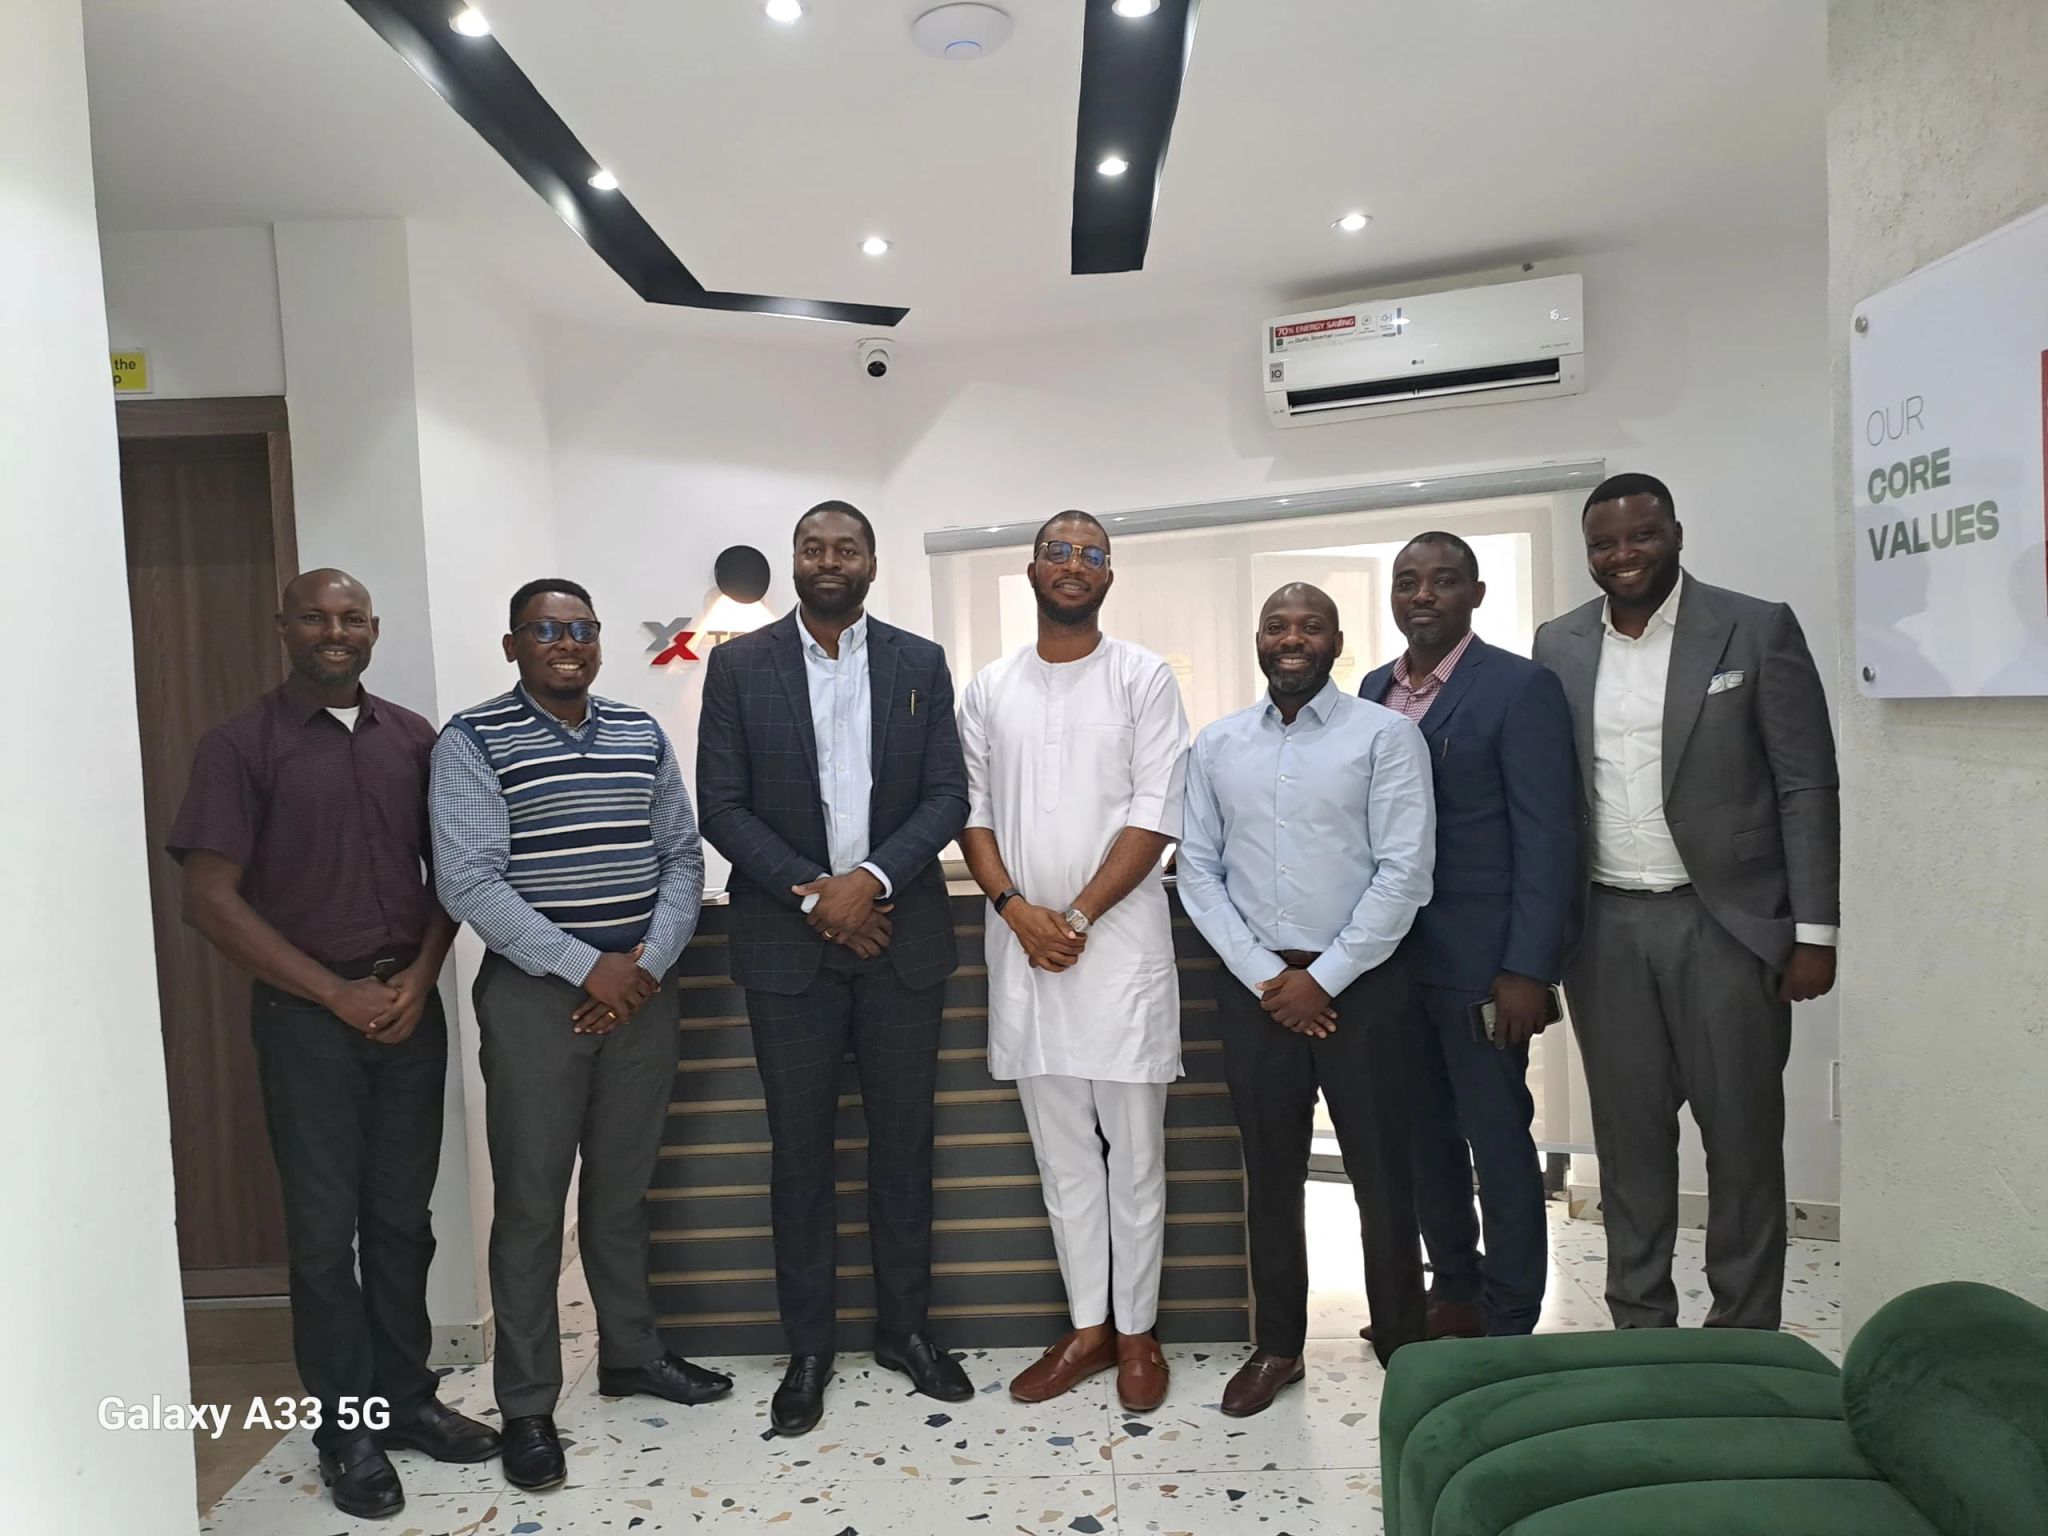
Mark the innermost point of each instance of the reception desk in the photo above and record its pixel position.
(995, 1280)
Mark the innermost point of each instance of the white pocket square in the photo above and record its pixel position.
(1723, 681)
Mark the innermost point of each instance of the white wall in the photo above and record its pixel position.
(1935, 132)
(89, 1270)
(1706, 367)
(486, 491)
(668, 451)
(203, 303)
(344, 293)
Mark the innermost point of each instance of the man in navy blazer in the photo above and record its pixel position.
(829, 772)
(1507, 830)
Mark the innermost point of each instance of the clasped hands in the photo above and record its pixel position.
(1049, 944)
(387, 1011)
(618, 988)
(846, 911)
(1296, 1000)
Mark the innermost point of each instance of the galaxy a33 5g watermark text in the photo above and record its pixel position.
(350, 1413)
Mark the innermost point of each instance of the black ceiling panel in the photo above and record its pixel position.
(477, 77)
(1131, 70)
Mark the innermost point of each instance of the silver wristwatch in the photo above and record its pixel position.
(1075, 919)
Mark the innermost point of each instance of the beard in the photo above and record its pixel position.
(1298, 684)
(1068, 615)
(834, 605)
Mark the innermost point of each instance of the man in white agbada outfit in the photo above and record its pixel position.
(1076, 748)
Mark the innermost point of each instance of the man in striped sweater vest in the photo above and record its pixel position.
(563, 836)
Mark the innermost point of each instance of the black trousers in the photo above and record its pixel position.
(356, 1128)
(799, 1043)
(1473, 1109)
(1364, 1071)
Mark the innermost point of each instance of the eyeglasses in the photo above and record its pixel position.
(548, 631)
(1060, 551)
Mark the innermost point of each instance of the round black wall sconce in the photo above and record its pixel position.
(742, 573)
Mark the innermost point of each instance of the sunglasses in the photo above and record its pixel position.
(548, 631)
(1060, 551)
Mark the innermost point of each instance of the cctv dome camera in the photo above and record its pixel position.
(874, 358)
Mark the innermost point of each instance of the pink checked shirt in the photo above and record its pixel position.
(1414, 700)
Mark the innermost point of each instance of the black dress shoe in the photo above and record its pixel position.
(671, 1377)
(532, 1452)
(931, 1370)
(799, 1402)
(443, 1434)
(362, 1479)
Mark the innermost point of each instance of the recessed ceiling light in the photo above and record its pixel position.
(1134, 8)
(1352, 223)
(785, 11)
(470, 22)
(605, 181)
(1114, 165)
(875, 245)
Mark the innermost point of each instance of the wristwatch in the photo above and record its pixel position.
(1076, 919)
(1006, 898)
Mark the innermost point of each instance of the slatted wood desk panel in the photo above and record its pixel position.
(995, 1279)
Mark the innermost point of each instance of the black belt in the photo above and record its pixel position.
(1300, 959)
(1641, 895)
(383, 967)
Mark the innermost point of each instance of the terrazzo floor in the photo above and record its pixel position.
(887, 1460)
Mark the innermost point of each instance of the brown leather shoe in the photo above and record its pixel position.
(1258, 1381)
(1448, 1320)
(1070, 1361)
(1140, 1372)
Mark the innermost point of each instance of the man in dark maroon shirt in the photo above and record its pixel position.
(303, 837)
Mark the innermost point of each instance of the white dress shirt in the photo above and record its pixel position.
(1061, 757)
(842, 720)
(1632, 844)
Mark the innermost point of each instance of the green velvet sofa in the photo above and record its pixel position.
(1936, 1425)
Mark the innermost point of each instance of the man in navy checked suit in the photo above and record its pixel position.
(829, 772)
(1507, 838)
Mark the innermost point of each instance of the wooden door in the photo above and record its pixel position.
(203, 569)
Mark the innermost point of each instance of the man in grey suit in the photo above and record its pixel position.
(1711, 872)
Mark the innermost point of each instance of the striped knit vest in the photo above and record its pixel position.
(582, 813)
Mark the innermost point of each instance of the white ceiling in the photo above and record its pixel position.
(1474, 131)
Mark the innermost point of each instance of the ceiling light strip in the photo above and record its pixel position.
(479, 79)
(1131, 72)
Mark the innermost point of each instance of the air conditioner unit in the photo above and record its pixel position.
(1511, 341)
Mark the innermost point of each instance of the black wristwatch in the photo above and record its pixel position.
(1006, 898)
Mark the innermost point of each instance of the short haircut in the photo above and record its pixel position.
(1614, 487)
(1070, 516)
(846, 508)
(1449, 541)
(533, 589)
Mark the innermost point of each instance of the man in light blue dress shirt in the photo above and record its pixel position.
(1309, 844)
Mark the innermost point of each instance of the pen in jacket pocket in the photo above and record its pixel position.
(913, 702)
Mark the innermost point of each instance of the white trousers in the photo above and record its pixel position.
(1108, 1214)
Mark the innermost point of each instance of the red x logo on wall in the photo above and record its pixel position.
(671, 642)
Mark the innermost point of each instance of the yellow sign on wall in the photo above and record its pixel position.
(131, 373)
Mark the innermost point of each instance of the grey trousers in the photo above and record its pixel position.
(1672, 1009)
(549, 1092)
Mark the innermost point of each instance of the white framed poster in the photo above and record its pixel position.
(1948, 376)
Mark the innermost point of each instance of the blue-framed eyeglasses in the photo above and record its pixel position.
(548, 631)
(1060, 551)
